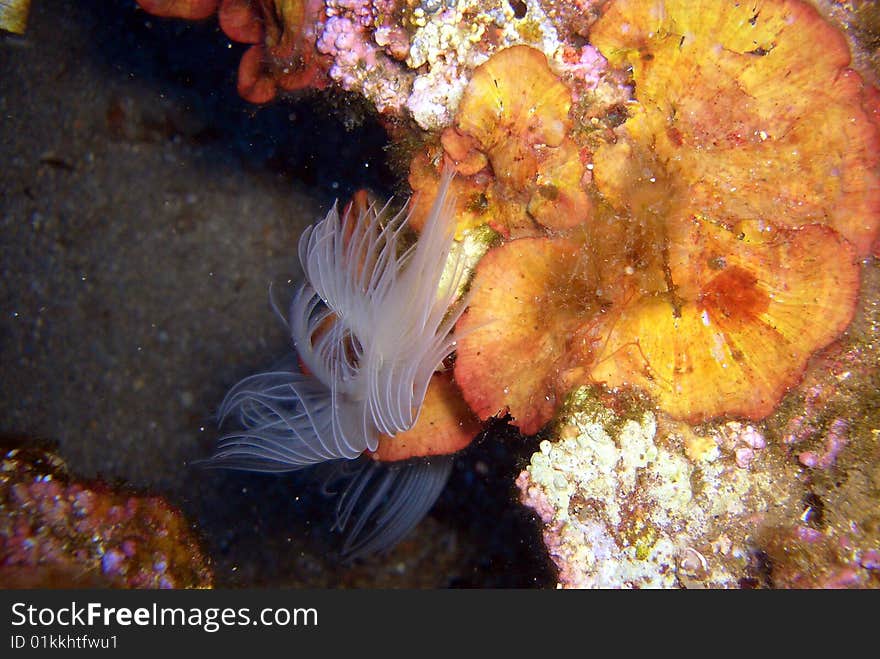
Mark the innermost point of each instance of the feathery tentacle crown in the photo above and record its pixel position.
(371, 322)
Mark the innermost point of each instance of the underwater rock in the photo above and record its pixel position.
(57, 532)
(624, 507)
(633, 499)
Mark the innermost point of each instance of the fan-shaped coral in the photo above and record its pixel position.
(748, 315)
(733, 204)
(240, 21)
(752, 108)
(530, 296)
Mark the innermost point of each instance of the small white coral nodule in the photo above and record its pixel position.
(371, 323)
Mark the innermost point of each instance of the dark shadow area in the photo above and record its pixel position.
(301, 138)
(482, 500)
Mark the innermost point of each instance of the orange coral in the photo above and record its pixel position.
(752, 107)
(282, 34)
(748, 315)
(471, 204)
(241, 21)
(189, 9)
(514, 106)
(530, 296)
(734, 203)
(511, 130)
(255, 80)
(283, 55)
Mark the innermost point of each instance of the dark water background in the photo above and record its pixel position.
(145, 209)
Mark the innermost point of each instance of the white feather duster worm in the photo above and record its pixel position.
(371, 322)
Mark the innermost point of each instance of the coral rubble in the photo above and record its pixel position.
(57, 532)
(632, 500)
